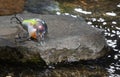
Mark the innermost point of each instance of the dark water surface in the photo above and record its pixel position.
(105, 15)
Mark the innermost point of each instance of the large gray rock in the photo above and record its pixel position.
(69, 39)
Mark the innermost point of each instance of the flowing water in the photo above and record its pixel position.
(103, 15)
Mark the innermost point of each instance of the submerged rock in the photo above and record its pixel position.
(69, 39)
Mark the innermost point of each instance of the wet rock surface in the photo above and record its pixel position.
(69, 39)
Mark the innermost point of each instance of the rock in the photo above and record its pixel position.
(69, 39)
(11, 6)
(41, 6)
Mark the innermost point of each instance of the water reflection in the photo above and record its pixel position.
(112, 34)
(111, 14)
(102, 15)
(82, 11)
(94, 6)
(66, 70)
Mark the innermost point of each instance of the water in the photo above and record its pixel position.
(112, 34)
(102, 15)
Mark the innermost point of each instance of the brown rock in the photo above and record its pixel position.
(11, 6)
